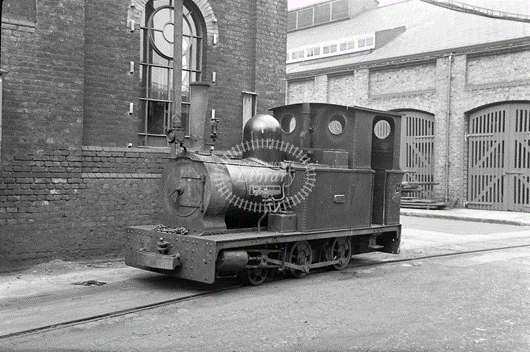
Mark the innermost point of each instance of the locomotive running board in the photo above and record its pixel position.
(198, 254)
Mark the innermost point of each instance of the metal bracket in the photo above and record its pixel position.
(372, 242)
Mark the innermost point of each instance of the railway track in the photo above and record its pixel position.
(150, 306)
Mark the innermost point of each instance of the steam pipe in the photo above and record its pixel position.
(176, 121)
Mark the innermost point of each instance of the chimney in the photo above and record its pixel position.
(197, 117)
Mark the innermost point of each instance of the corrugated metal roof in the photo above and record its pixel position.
(428, 28)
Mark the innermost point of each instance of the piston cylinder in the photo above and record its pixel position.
(231, 261)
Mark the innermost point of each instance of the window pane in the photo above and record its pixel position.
(143, 114)
(322, 14)
(159, 60)
(339, 10)
(144, 81)
(305, 18)
(291, 24)
(185, 84)
(156, 118)
(185, 111)
(159, 88)
(162, 33)
(158, 3)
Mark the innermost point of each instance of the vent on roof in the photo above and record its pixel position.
(332, 48)
(318, 14)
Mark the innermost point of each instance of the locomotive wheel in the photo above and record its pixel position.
(255, 276)
(340, 250)
(300, 254)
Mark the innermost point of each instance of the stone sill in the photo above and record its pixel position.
(163, 150)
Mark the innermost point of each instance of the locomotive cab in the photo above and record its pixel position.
(359, 144)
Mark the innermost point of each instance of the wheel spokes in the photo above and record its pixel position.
(255, 276)
(340, 250)
(301, 254)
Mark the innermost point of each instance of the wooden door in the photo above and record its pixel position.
(499, 158)
(417, 151)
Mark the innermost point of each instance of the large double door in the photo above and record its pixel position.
(417, 151)
(499, 158)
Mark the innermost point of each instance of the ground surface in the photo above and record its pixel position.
(473, 302)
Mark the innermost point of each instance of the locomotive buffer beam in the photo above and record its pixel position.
(157, 260)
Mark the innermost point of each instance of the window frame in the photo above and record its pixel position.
(150, 59)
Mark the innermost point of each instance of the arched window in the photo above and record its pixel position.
(156, 65)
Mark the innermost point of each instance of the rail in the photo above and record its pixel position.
(136, 309)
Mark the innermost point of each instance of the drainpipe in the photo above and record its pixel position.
(448, 126)
(1, 88)
(1, 82)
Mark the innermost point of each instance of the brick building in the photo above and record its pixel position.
(86, 102)
(461, 80)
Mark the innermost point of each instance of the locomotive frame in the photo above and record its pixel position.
(202, 260)
(352, 206)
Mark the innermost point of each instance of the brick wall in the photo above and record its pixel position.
(68, 185)
(475, 81)
(342, 89)
(110, 46)
(250, 56)
(300, 91)
(75, 204)
(43, 89)
(511, 67)
(75, 60)
(402, 79)
(271, 52)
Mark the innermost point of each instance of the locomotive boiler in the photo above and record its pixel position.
(310, 185)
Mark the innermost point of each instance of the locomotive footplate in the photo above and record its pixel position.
(198, 257)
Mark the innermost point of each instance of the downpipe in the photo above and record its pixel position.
(448, 127)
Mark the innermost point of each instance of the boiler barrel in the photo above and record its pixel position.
(197, 190)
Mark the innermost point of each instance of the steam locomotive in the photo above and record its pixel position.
(311, 185)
